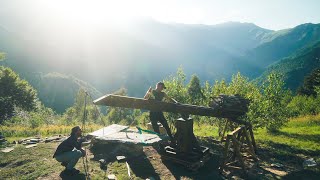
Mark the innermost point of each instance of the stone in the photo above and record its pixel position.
(112, 177)
(309, 163)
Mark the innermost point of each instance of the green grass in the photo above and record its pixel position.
(300, 133)
(46, 130)
(22, 163)
(205, 130)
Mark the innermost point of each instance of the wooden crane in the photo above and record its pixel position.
(187, 150)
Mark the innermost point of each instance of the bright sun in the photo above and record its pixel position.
(94, 12)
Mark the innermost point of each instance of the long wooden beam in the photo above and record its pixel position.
(153, 105)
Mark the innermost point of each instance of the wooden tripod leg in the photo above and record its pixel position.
(237, 152)
(225, 153)
(252, 139)
(251, 149)
(225, 129)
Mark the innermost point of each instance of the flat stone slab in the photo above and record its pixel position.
(31, 145)
(114, 128)
(8, 149)
(131, 136)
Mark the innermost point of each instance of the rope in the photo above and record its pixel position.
(97, 110)
(85, 159)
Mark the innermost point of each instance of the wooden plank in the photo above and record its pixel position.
(236, 131)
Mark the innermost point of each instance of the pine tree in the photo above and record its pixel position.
(194, 90)
(311, 81)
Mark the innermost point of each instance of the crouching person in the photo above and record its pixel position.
(70, 151)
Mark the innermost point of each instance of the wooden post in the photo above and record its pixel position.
(184, 136)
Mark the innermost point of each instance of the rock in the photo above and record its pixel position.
(309, 163)
(2, 140)
(51, 139)
(30, 146)
(277, 165)
(35, 140)
(8, 149)
(103, 162)
(119, 158)
(112, 177)
(30, 142)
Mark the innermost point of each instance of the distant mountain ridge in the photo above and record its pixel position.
(283, 44)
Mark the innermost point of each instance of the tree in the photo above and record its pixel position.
(274, 103)
(310, 82)
(15, 92)
(75, 114)
(2, 56)
(194, 90)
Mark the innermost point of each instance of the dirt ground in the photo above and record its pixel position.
(146, 162)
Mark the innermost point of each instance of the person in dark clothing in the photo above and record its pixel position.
(158, 95)
(70, 151)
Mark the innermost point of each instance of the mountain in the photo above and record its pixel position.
(295, 67)
(58, 91)
(280, 44)
(106, 57)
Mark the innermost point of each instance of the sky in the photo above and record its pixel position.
(270, 14)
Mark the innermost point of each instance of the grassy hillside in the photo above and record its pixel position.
(297, 66)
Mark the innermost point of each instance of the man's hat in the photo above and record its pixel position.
(162, 84)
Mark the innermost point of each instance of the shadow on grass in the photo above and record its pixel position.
(208, 171)
(74, 177)
(302, 137)
(135, 157)
(284, 152)
(292, 158)
(302, 175)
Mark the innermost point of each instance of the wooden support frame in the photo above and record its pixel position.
(249, 131)
(239, 141)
